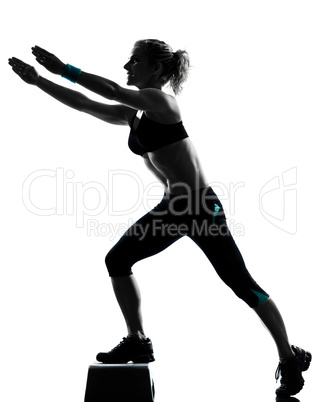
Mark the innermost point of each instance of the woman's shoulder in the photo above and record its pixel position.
(167, 113)
(170, 113)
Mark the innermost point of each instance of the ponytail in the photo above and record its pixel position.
(181, 71)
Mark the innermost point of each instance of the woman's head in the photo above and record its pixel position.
(174, 65)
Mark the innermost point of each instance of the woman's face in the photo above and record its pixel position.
(140, 72)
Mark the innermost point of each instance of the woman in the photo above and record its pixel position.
(189, 206)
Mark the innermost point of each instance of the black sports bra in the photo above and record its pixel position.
(150, 136)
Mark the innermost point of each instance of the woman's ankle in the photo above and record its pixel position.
(287, 354)
(137, 334)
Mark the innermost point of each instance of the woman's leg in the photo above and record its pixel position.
(135, 347)
(229, 264)
(222, 251)
(143, 239)
(129, 298)
(272, 319)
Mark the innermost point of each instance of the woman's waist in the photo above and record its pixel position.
(188, 192)
(187, 187)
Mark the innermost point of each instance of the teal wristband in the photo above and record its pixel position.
(71, 73)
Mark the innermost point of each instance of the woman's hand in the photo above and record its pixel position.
(48, 60)
(26, 72)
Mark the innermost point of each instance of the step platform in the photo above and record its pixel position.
(119, 383)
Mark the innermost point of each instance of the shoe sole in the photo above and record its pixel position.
(144, 359)
(149, 358)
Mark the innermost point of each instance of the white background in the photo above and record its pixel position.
(251, 109)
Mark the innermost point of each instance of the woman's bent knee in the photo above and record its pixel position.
(117, 265)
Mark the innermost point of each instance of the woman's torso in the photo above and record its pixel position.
(175, 164)
(180, 165)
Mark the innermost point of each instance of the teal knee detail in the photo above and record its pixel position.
(261, 297)
(217, 208)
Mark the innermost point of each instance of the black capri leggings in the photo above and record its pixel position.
(200, 216)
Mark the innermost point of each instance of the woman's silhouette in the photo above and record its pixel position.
(189, 206)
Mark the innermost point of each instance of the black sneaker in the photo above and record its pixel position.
(131, 348)
(290, 370)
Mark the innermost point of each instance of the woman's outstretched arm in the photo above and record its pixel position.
(115, 114)
(146, 99)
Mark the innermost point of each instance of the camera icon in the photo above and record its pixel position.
(278, 201)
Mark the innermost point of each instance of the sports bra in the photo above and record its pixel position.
(150, 136)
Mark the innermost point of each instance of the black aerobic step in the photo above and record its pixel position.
(119, 383)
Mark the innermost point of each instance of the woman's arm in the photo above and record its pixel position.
(115, 114)
(67, 96)
(153, 100)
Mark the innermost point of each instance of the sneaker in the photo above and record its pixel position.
(292, 381)
(132, 348)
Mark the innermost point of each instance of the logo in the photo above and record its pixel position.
(278, 201)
